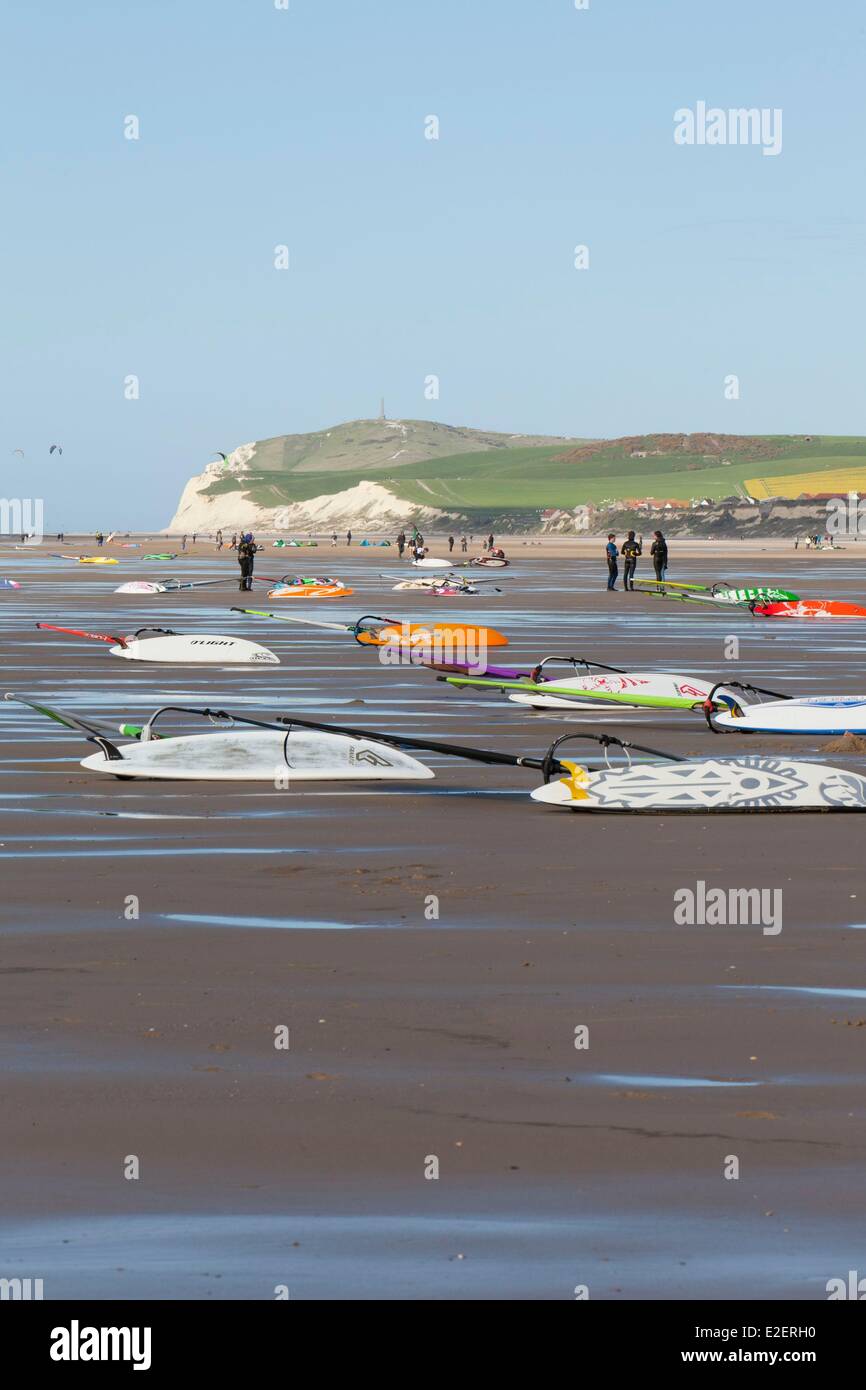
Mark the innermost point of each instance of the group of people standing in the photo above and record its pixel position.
(415, 543)
(630, 550)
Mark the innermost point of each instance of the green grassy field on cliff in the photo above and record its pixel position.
(522, 474)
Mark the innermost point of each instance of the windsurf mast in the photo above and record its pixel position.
(70, 721)
(77, 632)
(290, 618)
(547, 764)
(172, 584)
(353, 628)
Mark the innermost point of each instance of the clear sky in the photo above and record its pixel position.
(409, 257)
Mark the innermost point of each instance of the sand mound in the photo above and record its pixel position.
(848, 743)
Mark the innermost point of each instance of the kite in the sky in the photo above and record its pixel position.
(57, 447)
(18, 451)
(224, 457)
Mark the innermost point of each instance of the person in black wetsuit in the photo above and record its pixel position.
(246, 559)
(630, 551)
(611, 553)
(659, 553)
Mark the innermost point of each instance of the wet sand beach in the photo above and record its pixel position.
(413, 1036)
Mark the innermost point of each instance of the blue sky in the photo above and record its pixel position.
(411, 257)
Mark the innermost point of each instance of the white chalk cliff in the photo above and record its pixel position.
(367, 506)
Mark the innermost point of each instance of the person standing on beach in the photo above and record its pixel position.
(659, 554)
(246, 559)
(333, 539)
(219, 540)
(611, 552)
(463, 544)
(348, 538)
(630, 552)
(401, 544)
(489, 545)
(450, 544)
(183, 543)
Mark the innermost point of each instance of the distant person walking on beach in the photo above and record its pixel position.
(450, 544)
(246, 559)
(234, 544)
(630, 552)
(348, 538)
(489, 545)
(401, 544)
(611, 552)
(463, 544)
(100, 539)
(219, 540)
(183, 543)
(333, 539)
(659, 554)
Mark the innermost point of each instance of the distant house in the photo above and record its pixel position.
(652, 504)
(638, 454)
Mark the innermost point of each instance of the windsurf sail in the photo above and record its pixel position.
(577, 693)
(808, 608)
